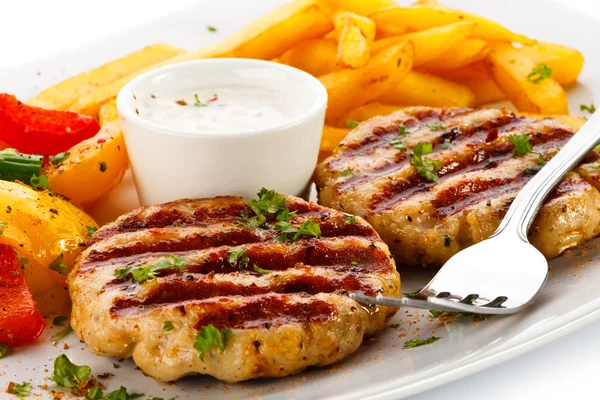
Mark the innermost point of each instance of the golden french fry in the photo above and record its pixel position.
(476, 77)
(529, 87)
(361, 7)
(467, 52)
(422, 89)
(65, 93)
(370, 110)
(315, 56)
(566, 63)
(266, 38)
(432, 43)
(332, 137)
(572, 121)
(355, 35)
(421, 17)
(351, 88)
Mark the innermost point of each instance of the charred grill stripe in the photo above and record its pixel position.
(178, 289)
(480, 152)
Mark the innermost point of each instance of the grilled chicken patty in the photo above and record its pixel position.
(289, 312)
(425, 221)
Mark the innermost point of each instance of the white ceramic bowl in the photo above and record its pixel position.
(170, 164)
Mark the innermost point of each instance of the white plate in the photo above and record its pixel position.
(381, 369)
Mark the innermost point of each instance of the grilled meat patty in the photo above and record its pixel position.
(425, 221)
(289, 312)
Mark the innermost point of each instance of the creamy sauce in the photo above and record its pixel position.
(216, 109)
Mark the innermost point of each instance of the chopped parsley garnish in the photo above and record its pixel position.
(149, 271)
(59, 266)
(541, 161)
(3, 224)
(413, 295)
(211, 28)
(68, 375)
(595, 166)
(269, 203)
(397, 141)
(39, 182)
(308, 228)
(120, 394)
(539, 73)
(59, 320)
(350, 219)
(238, 258)
(398, 145)
(91, 230)
(447, 241)
(522, 144)
(531, 171)
(198, 103)
(3, 350)
(168, 326)
(260, 270)
(437, 126)
(103, 166)
(19, 389)
(210, 337)
(94, 393)
(395, 326)
(591, 108)
(63, 333)
(60, 157)
(347, 173)
(420, 342)
(450, 314)
(425, 166)
(352, 123)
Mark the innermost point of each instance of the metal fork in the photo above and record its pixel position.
(504, 273)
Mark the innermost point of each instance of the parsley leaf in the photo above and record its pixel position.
(3, 224)
(198, 103)
(397, 142)
(3, 350)
(352, 123)
(426, 167)
(59, 266)
(94, 393)
(437, 126)
(413, 295)
(522, 144)
(539, 73)
(60, 157)
(209, 337)
(39, 182)
(103, 166)
(260, 270)
(347, 173)
(121, 394)
(238, 258)
(66, 374)
(591, 108)
(59, 320)
(398, 145)
(91, 230)
(168, 326)
(394, 326)
(350, 219)
(20, 389)
(308, 228)
(531, 171)
(63, 333)
(269, 202)
(211, 28)
(447, 241)
(419, 342)
(149, 271)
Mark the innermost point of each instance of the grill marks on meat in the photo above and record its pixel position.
(478, 180)
(305, 290)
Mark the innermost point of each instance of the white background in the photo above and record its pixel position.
(35, 29)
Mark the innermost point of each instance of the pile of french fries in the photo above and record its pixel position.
(373, 57)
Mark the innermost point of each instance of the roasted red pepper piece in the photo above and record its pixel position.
(20, 321)
(34, 130)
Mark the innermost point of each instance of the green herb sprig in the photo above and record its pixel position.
(425, 166)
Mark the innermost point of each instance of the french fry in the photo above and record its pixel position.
(315, 56)
(332, 137)
(422, 17)
(65, 93)
(355, 35)
(422, 89)
(361, 7)
(566, 63)
(266, 38)
(351, 88)
(432, 43)
(476, 77)
(529, 89)
(467, 52)
(370, 110)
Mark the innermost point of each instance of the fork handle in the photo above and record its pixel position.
(524, 208)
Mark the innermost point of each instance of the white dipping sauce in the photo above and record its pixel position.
(216, 109)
